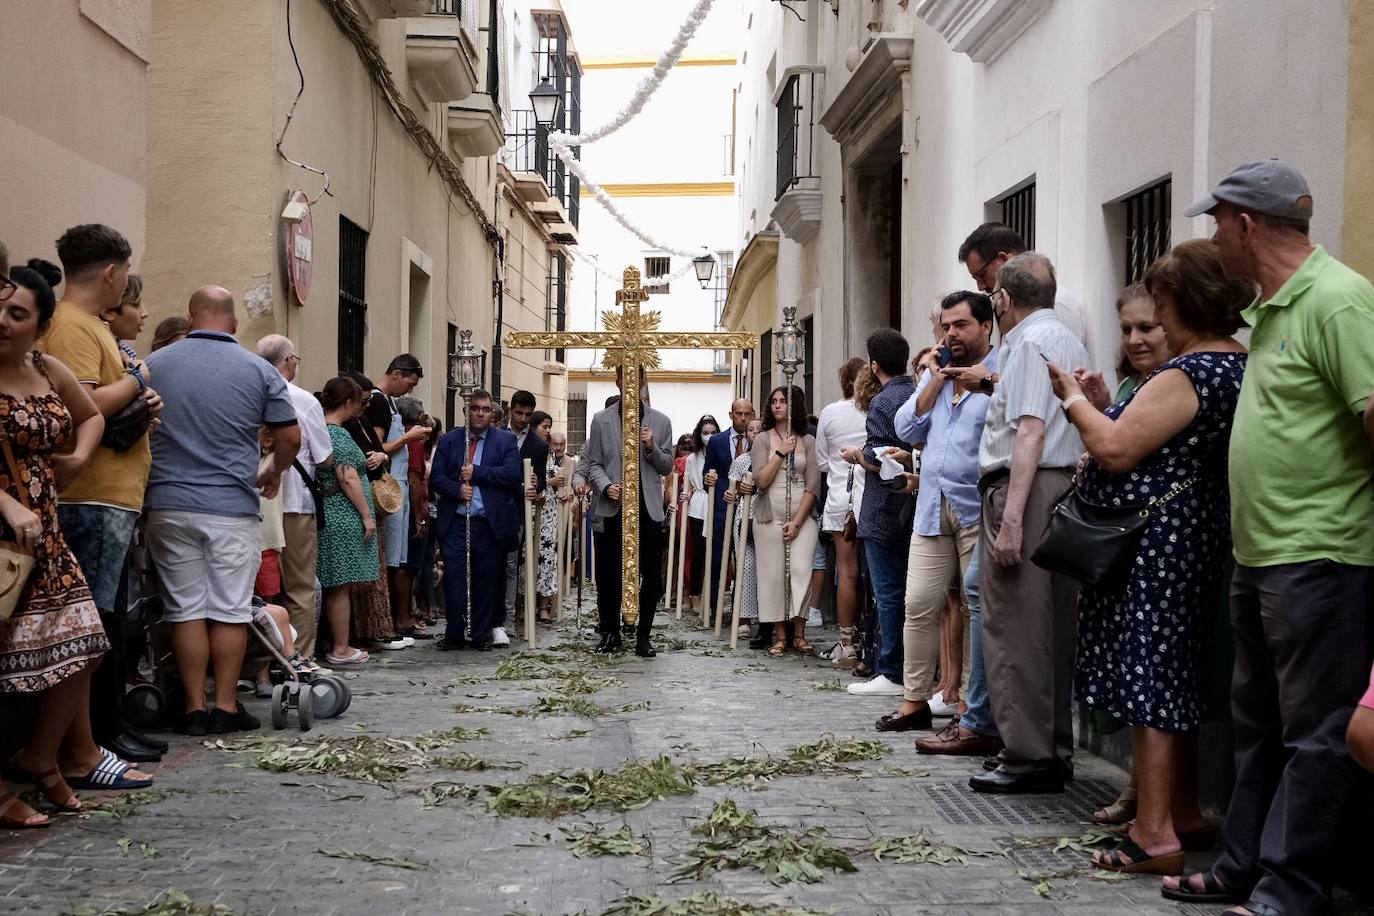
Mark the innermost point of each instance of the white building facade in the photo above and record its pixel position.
(876, 134)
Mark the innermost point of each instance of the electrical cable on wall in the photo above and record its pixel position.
(291, 113)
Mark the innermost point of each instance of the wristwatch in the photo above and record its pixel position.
(780, 454)
(985, 385)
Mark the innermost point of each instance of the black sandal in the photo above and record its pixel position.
(1213, 891)
(1129, 858)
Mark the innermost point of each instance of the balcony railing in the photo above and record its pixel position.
(527, 150)
(465, 10)
(796, 107)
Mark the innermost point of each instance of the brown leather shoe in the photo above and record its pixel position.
(957, 740)
(896, 722)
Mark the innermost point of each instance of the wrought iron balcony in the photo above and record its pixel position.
(798, 209)
(527, 150)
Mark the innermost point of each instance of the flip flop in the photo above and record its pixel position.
(348, 661)
(108, 775)
(1140, 862)
(1213, 891)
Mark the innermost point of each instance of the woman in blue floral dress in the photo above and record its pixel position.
(1140, 637)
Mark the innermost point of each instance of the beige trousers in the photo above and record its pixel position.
(931, 564)
(298, 577)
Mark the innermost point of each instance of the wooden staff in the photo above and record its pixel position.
(725, 559)
(681, 561)
(706, 595)
(672, 533)
(531, 558)
(560, 560)
(741, 545)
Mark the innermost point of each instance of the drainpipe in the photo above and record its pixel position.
(498, 288)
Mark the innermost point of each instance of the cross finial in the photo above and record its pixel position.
(631, 291)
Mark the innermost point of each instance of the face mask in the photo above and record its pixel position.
(706, 437)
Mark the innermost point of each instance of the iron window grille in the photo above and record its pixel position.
(658, 266)
(808, 325)
(1148, 228)
(352, 295)
(765, 358)
(796, 111)
(1018, 212)
(577, 422)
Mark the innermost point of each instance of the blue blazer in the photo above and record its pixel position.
(718, 459)
(497, 477)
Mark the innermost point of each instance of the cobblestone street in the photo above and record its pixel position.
(224, 831)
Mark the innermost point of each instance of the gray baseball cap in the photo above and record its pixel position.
(1269, 186)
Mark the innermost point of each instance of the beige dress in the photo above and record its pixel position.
(769, 514)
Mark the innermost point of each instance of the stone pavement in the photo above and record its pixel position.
(226, 832)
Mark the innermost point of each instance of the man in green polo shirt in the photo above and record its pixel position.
(1302, 514)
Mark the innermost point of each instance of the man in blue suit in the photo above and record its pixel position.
(721, 451)
(476, 471)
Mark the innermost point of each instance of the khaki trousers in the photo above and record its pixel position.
(298, 577)
(1030, 633)
(931, 564)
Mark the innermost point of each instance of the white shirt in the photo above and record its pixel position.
(841, 424)
(1072, 313)
(695, 472)
(316, 446)
(1023, 390)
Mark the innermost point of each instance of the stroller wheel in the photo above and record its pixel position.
(305, 708)
(145, 705)
(348, 696)
(327, 697)
(279, 707)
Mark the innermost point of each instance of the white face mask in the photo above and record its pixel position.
(706, 437)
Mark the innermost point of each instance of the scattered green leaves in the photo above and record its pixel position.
(704, 904)
(360, 757)
(590, 841)
(738, 840)
(388, 861)
(171, 902)
(832, 685)
(126, 803)
(571, 734)
(826, 757)
(440, 793)
(552, 795)
(917, 848)
(462, 760)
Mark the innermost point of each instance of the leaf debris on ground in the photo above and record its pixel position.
(917, 848)
(702, 904)
(388, 861)
(591, 841)
(170, 902)
(736, 839)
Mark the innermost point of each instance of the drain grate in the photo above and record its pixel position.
(1046, 860)
(958, 804)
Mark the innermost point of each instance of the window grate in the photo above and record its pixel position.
(657, 266)
(577, 423)
(808, 325)
(1018, 212)
(765, 359)
(352, 295)
(1148, 229)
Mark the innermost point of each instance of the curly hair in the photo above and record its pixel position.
(798, 410)
(866, 388)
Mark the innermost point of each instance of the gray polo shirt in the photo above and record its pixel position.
(217, 396)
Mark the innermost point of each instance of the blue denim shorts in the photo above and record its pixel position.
(819, 558)
(99, 536)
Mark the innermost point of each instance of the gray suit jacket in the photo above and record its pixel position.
(600, 463)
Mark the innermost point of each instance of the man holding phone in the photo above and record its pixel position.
(948, 421)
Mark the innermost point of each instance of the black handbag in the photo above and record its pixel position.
(127, 425)
(1093, 543)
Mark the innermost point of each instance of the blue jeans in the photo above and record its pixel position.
(887, 571)
(979, 716)
(99, 537)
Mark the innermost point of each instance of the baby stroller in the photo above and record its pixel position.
(310, 695)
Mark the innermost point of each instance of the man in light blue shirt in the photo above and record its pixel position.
(948, 421)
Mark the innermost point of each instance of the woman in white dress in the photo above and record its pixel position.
(781, 453)
(547, 579)
(747, 572)
(698, 504)
(842, 425)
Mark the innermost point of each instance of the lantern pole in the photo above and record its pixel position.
(790, 354)
(463, 371)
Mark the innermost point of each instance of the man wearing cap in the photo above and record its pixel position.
(402, 375)
(1302, 501)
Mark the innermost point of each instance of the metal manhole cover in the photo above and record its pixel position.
(1045, 859)
(958, 804)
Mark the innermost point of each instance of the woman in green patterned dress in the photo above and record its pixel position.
(348, 541)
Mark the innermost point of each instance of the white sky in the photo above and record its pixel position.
(645, 28)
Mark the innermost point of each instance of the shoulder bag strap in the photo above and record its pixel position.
(21, 491)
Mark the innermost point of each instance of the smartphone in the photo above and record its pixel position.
(943, 356)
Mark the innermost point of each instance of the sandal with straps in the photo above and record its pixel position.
(778, 649)
(14, 822)
(52, 785)
(802, 646)
(1213, 891)
(1119, 811)
(1129, 858)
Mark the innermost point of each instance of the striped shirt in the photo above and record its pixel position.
(1023, 390)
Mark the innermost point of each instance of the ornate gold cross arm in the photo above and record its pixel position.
(631, 341)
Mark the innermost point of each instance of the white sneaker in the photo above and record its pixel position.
(878, 687)
(942, 710)
(813, 617)
(402, 642)
(499, 637)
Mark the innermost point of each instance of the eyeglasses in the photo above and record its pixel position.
(7, 288)
(296, 358)
(978, 274)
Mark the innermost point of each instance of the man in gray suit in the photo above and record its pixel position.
(601, 468)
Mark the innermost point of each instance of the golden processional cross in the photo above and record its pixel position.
(631, 341)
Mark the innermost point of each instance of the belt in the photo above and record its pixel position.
(992, 477)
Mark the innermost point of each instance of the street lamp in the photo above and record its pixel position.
(789, 351)
(546, 101)
(705, 265)
(463, 373)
